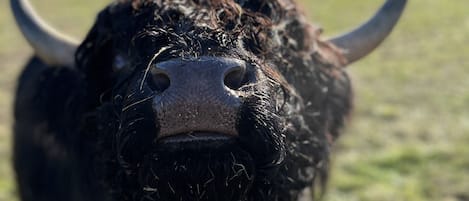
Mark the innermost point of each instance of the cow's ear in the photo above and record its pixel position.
(95, 57)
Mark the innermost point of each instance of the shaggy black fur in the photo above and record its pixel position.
(89, 133)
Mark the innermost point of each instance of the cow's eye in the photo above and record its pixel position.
(241, 2)
(159, 80)
(119, 62)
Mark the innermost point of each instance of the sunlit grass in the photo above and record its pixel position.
(409, 136)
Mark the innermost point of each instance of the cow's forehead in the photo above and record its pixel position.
(264, 28)
(213, 12)
(254, 5)
(190, 28)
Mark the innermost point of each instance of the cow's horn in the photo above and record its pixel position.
(51, 46)
(361, 41)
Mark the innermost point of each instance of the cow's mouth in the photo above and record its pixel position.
(196, 140)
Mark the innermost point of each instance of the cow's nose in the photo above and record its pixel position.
(210, 71)
(198, 95)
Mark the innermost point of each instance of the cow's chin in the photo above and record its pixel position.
(222, 172)
(138, 166)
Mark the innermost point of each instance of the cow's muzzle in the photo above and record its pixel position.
(198, 99)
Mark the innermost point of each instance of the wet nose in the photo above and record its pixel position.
(209, 72)
(198, 94)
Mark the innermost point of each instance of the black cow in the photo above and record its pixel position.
(188, 100)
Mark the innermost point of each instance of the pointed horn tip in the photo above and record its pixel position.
(364, 39)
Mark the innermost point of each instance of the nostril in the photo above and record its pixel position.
(234, 78)
(159, 81)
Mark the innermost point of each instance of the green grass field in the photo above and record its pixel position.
(409, 137)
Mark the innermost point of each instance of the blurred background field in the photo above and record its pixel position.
(409, 136)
